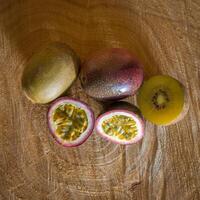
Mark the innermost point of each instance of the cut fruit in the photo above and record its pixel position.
(70, 121)
(121, 126)
(162, 100)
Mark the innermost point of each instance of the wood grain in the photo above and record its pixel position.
(164, 34)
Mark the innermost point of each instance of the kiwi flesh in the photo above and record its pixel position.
(162, 100)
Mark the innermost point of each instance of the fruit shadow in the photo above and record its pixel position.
(27, 26)
(123, 29)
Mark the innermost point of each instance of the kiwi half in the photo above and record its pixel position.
(162, 100)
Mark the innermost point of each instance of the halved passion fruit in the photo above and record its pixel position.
(121, 125)
(70, 121)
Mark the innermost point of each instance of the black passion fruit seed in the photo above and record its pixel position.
(121, 124)
(70, 121)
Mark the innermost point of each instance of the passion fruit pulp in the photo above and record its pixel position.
(70, 121)
(111, 74)
(121, 125)
(50, 72)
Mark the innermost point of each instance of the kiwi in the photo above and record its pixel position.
(162, 100)
(50, 72)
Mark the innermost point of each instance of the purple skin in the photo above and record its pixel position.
(89, 132)
(141, 134)
(124, 107)
(111, 74)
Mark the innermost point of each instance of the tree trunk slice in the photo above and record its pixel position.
(165, 165)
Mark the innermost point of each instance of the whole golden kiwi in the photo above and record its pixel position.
(50, 72)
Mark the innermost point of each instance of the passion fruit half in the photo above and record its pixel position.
(121, 125)
(111, 74)
(50, 72)
(70, 121)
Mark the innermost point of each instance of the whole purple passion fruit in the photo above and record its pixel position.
(121, 124)
(111, 74)
(70, 121)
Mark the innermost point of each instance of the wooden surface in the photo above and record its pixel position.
(165, 35)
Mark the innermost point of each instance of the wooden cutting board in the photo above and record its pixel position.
(165, 36)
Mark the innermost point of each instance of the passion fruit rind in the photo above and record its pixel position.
(127, 118)
(90, 120)
(111, 74)
(124, 105)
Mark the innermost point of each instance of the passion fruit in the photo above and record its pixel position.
(121, 124)
(70, 121)
(111, 74)
(50, 72)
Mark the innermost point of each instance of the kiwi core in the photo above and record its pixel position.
(121, 127)
(160, 99)
(70, 121)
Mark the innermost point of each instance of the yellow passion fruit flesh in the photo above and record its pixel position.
(70, 121)
(121, 124)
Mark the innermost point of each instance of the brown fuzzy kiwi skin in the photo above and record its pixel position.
(40, 74)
